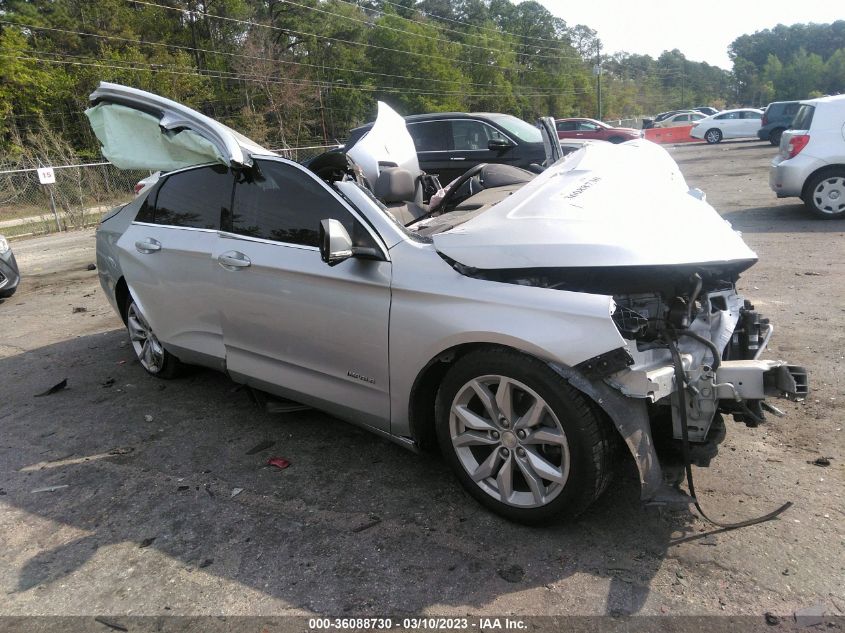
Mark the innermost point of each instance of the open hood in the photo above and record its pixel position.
(603, 205)
(141, 130)
(388, 141)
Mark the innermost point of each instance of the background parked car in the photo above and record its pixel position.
(811, 161)
(706, 110)
(450, 143)
(592, 129)
(739, 123)
(650, 123)
(681, 119)
(9, 273)
(777, 117)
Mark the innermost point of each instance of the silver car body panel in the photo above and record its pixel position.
(387, 141)
(174, 136)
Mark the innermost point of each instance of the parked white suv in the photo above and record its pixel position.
(811, 161)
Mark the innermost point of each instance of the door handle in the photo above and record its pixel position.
(147, 246)
(457, 158)
(233, 260)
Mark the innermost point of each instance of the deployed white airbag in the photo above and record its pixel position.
(132, 139)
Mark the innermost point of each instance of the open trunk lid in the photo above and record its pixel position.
(141, 130)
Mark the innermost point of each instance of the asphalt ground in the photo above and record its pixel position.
(123, 495)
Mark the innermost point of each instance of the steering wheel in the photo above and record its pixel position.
(472, 172)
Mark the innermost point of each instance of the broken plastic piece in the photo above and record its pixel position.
(279, 462)
(57, 387)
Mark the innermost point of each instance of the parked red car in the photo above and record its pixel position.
(592, 129)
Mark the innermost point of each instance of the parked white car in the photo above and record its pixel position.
(680, 119)
(740, 123)
(811, 161)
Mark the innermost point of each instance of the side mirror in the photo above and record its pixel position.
(335, 243)
(499, 144)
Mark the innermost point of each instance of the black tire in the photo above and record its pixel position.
(588, 435)
(819, 194)
(168, 367)
(617, 139)
(774, 136)
(5, 294)
(713, 136)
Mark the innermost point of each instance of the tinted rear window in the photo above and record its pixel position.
(196, 198)
(804, 119)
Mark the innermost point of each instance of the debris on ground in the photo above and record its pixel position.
(236, 492)
(148, 418)
(279, 462)
(51, 488)
(57, 387)
(771, 619)
(261, 446)
(77, 309)
(374, 521)
(147, 542)
(514, 573)
(809, 616)
(206, 563)
(108, 382)
(110, 624)
(820, 461)
(122, 450)
(91, 267)
(182, 488)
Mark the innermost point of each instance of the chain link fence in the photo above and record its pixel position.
(81, 194)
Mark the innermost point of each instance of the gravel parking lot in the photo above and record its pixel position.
(140, 513)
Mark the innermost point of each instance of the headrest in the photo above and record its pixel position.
(395, 185)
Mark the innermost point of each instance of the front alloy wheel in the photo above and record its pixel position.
(713, 135)
(520, 438)
(509, 441)
(148, 349)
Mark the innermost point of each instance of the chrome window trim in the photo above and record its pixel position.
(174, 226)
(260, 240)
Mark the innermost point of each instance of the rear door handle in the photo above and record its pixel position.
(147, 246)
(457, 158)
(233, 260)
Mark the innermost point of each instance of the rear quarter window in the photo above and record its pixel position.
(804, 118)
(196, 198)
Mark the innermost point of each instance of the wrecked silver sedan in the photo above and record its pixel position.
(525, 323)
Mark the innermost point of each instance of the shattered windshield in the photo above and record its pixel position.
(519, 128)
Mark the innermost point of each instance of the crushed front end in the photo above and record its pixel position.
(720, 338)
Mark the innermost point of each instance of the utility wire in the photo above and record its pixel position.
(306, 34)
(244, 56)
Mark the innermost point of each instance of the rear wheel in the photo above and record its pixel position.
(616, 139)
(825, 195)
(520, 438)
(774, 136)
(148, 349)
(713, 135)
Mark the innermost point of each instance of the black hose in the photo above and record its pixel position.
(717, 361)
(680, 384)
